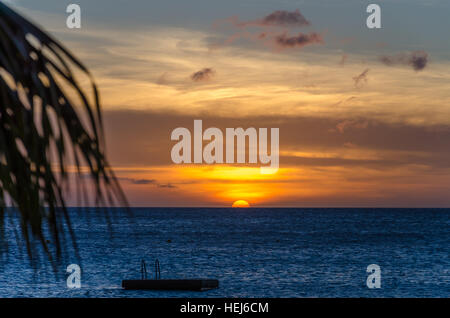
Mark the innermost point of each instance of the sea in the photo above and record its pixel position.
(253, 252)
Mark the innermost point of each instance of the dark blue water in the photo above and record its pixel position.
(253, 253)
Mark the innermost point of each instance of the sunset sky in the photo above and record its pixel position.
(364, 115)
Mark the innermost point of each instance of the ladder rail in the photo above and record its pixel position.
(157, 270)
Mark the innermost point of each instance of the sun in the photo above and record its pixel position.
(240, 204)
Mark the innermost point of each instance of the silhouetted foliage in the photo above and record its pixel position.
(47, 136)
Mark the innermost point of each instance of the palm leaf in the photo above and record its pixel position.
(44, 131)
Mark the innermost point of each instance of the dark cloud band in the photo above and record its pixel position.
(202, 75)
(418, 60)
(299, 40)
(285, 18)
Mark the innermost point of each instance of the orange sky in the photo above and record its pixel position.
(353, 131)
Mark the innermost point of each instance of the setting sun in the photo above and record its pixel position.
(241, 204)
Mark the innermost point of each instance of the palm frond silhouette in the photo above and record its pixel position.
(47, 135)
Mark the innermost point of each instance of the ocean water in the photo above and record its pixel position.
(252, 252)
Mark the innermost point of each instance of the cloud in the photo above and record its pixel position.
(202, 75)
(361, 78)
(345, 101)
(343, 59)
(139, 181)
(299, 40)
(418, 60)
(299, 132)
(270, 35)
(279, 18)
(162, 79)
(351, 123)
(148, 181)
(350, 145)
(142, 181)
(383, 157)
(167, 185)
(285, 18)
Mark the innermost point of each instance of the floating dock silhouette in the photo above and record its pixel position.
(167, 284)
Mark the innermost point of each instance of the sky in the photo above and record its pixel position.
(363, 113)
